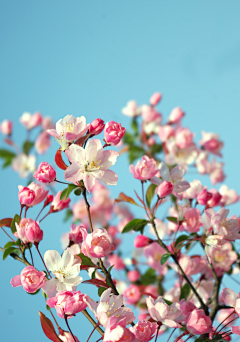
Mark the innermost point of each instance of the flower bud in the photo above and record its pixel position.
(26, 196)
(155, 99)
(164, 189)
(216, 198)
(65, 336)
(96, 127)
(113, 132)
(48, 200)
(132, 294)
(33, 232)
(141, 241)
(57, 204)
(6, 127)
(176, 115)
(45, 173)
(30, 278)
(133, 275)
(204, 197)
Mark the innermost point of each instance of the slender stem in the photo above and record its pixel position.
(88, 209)
(7, 234)
(54, 318)
(171, 334)
(65, 317)
(26, 209)
(31, 254)
(92, 332)
(42, 260)
(227, 324)
(223, 321)
(159, 325)
(61, 182)
(108, 277)
(144, 200)
(205, 308)
(91, 320)
(99, 339)
(22, 206)
(39, 213)
(15, 256)
(44, 217)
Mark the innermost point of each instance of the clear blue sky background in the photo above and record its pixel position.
(89, 58)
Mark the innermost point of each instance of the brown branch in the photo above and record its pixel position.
(15, 256)
(91, 320)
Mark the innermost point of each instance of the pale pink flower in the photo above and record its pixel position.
(68, 130)
(6, 127)
(223, 257)
(116, 261)
(40, 192)
(33, 232)
(145, 168)
(216, 198)
(132, 294)
(155, 99)
(64, 269)
(133, 275)
(42, 143)
(186, 308)
(165, 132)
(24, 164)
(194, 190)
(226, 315)
(141, 241)
(144, 331)
(211, 143)
(30, 278)
(26, 196)
(164, 189)
(161, 227)
(154, 253)
(20, 229)
(190, 265)
(116, 331)
(90, 164)
(67, 302)
(109, 306)
(45, 173)
(192, 220)
(131, 109)
(76, 235)
(184, 137)
(176, 115)
(235, 330)
(113, 132)
(57, 204)
(66, 336)
(31, 120)
(47, 123)
(228, 196)
(112, 231)
(198, 323)
(230, 298)
(203, 197)
(161, 312)
(150, 114)
(229, 228)
(97, 244)
(96, 126)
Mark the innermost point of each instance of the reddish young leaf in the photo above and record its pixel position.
(124, 198)
(6, 222)
(59, 161)
(82, 140)
(97, 282)
(48, 328)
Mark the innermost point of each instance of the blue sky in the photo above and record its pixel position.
(90, 58)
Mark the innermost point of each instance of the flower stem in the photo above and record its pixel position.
(91, 320)
(42, 260)
(93, 331)
(65, 317)
(88, 209)
(8, 235)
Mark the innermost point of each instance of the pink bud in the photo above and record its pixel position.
(33, 232)
(132, 294)
(57, 204)
(113, 132)
(6, 127)
(65, 336)
(76, 235)
(133, 275)
(216, 198)
(36, 120)
(96, 127)
(176, 115)
(45, 173)
(204, 197)
(48, 200)
(141, 241)
(155, 99)
(164, 189)
(26, 196)
(30, 278)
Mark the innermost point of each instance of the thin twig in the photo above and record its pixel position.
(65, 317)
(91, 320)
(7, 234)
(15, 256)
(43, 261)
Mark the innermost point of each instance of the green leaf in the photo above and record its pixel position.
(110, 268)
(34, 293)
(66, 192)
(136, 225)
(172, 219)
(5, 154)
(11, 250)
(15, 220)
(149, 277)
(135, 152)
(134, 126)
(164, 258)
(18, 242)
(156, 148)
(9, 244)
(150, 193)
(180, 239)
(185, 291)
(27, 146)
(48, 307)
(167, 301)
(78, 192)
(8, 162)
(128, 138)
(93, 275)
(68, 215)
(85, 260)
(101, 290)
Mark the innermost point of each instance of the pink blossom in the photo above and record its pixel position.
(186, 308)
(223, 257)
(42, 143)
(203, 197)
(154, 253)
(131, 109)
(116, 331)
(67, 302)
(216, 198)
(33, 232)
(31, 120)
(112, 230)
(24, 164)
(113, 132)
(150, 114)
(90, 164)
(230, 298)
(226, 315)
(198, 323)
(190, 265)
(165, 132)
(194, 190)
(192, 220)
(21, 229)
(57, 204)
(145, 168)
(109, 306)
(184, 137)
(26, 196)
(97, 244)
(30, 278)
(133, 275)
(211, 143)
(132, 294)
(164, 189)
(66, 336)
(161, 312)
(176, 115)
(47, 123)
(155, 99)
(45, 173)
(6, 127)
(116, 261)
(68, 130)
(76, 235)
(235, 330)
(228, 196)
(141, 241)
(144, 331)
(96, 126)
(224, 334)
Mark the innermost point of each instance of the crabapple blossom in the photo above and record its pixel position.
(31, 120)
(26, 196)
(190, 265)
(192, 220)
(133, 275)
(176, 115)
(161, 312)
(141, 241)
(76, 235)
(24, 164)
(47, 123)
(183, 137)
(68, 130)
(116, 331)
(96, 126)
(40, 192)
(33, 232)
(113, 133)
(155, 99)
(226, 315)
(228, 196)
(211, 143)
(42, 143)
(165, 132)
(145, 168)
(57, 204)
(6, 127)
(45, 173)
(65, 269)
(216, 198)
(194, 190)
(30, 278)
(222, 258)
(131, 109)
(154, 253)
(90, 164)
(230, 298)
(68, 303)
(150, 114)
(115, 260)
(97, 244)
(164, 189)
(109, 306)
(144, 331)
(198, 323)
(203, 197)
(21, 229)
(132, 294)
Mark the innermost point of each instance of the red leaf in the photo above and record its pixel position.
(97, 282)
(82, 140)
(6, 222)
(124, 198)
(59, 161)
(48, 328)
(9, 142)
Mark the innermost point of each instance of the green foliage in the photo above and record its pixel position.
(9, 244)
(7, 157)
(11, 250)
(149, 277)
(135, 152)
(136, 225)
(15, 220)
(68, 215)
(134, 126)
(128, 138)
(67, 191)
(164, 258)
(85, 260)
(27, 146)
(156, 148)
(180, 239)
(185, 291)
(101, 290)
(150, 193)
(172, 219)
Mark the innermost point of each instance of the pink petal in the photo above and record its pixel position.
(53, 132)
(109, 177)
(236, 330)
(229, 297)
(73, 173)
(16, 281)
(89, 181)
(108, 159)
